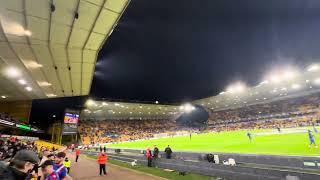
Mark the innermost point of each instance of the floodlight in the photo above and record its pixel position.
(157, 102)
(33, 64)
(295, 86)
(275, 79)
(90, 102)
(28, 88)
(27, 33)
(236, 88)
(317, 81)
(104, 104)
(188, 108)
(313, 68)
(264, 82)
(288, 74)
(3, 97)
(116, 104)
(222, 92)
(51, 95)
(44, 83)
(22, 81)
(12, 72)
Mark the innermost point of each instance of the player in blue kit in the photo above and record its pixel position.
(312, 139)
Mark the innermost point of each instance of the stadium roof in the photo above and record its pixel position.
(102, 110)
(280, 84)
(49, 48)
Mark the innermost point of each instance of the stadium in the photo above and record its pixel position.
(120, 89)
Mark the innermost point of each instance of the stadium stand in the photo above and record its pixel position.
(288, 113)
(295, 112)
(93, 132)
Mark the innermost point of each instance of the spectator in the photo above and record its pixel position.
(20, 166)
(168, 152)
(48, 172)
(104, 149)
(58, 165)
(155, 152)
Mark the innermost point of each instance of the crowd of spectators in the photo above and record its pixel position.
(6, 116)
(295, 112)
(107, 131)
(27, 159)
(9, 147)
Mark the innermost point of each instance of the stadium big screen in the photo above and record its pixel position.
(70, 121)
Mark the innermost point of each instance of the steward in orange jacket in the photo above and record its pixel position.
(102, 160)
(77, 154)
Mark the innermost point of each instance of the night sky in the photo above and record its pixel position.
(180, 50)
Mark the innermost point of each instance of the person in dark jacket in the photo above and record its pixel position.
(20, 166)
(168, 152)
(104, 149)
(155, 152)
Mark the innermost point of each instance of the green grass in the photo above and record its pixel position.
(158, 171)
(234, 142)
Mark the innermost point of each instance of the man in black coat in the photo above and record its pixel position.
(168, 152)
(20, 166)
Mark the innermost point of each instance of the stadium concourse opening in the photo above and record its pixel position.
(120, 89)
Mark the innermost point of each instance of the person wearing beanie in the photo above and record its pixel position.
(20, 166)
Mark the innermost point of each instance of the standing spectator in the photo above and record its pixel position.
(58, 165)
(104, 149)
(100, 148)
(77, 154)
(102, 160)
(20, 166)
(149, 156)
(48, 171)
(155, 152)
(67, 164)
(168, 152)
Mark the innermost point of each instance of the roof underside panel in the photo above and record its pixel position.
(55, 52)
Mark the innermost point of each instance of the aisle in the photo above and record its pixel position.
(88, 169)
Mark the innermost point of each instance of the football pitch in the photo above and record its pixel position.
(270, 141)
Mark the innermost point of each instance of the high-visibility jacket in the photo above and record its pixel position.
(102, 158)
(67, 164)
